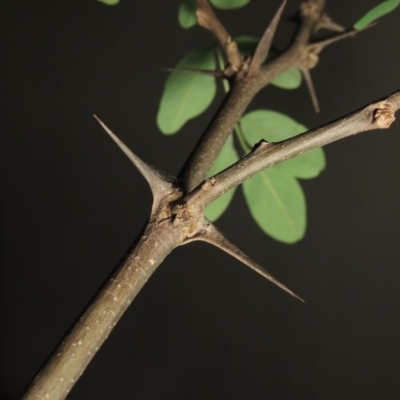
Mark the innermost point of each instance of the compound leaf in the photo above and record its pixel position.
(187, 14)
(380, 10)
(186, 95)
(226, 157)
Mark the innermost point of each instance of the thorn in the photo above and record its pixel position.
(159, 182)
(326, 23)
(311, 89)
(264, 46)
(213, 236)
(319, 45)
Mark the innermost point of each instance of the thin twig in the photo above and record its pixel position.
(208, 20)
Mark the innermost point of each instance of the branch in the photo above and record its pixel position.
(72, 356)
(175, 219)
(379, 115)
(243, 90)
(208, 20)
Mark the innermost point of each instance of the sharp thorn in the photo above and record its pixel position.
(264, 46)
(159, 183)
(311, 89)
(213, 236)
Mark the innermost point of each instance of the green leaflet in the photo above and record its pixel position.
(226, 157)
(274, 197)
(379, 11)
(276, 202)
(186, 95)
(229, 4)
(187, 14)
(274, 127)
(290, 79)
(109, 2)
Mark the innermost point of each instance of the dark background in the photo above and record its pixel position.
(205, 326)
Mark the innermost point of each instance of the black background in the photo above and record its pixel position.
(204, 327)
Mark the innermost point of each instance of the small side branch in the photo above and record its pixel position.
(208, 20)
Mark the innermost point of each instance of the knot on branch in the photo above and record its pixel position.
(383, 115)
(310, 10)
(309, 61)
(208, 184)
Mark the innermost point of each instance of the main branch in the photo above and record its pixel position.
(177, 214)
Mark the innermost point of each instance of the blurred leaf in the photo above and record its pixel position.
(226, 157)
(187, 95)
(379, 11)
(187, 14)
(276, 202)
(290, 79)
(109, 2)
(229, 4)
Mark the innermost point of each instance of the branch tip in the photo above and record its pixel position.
(383, 115)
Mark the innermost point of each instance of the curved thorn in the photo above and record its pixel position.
(319, 45)
(213, 236)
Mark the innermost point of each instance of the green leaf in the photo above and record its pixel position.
(274, 127)
(277, 204)
(229, 4)
(187, 95)
(274, 196)
(109, 2)
(269, 125)
(304, 166)
(290, 79)
(187, 14)
(379, 11)
(226, 157)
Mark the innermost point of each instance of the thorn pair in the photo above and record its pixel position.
(162, 186)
